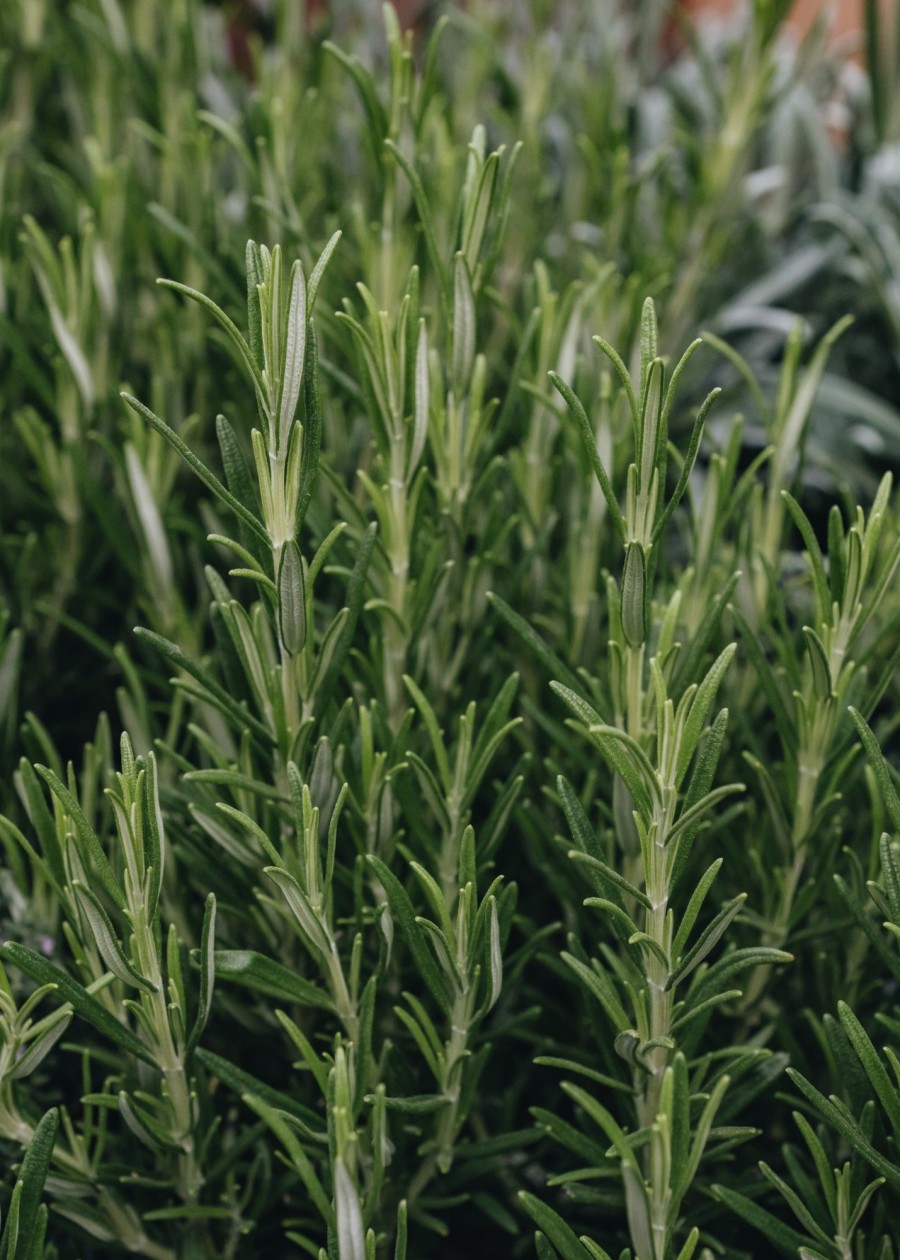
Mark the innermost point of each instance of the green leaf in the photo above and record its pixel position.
(583, 833)
(308, 920)
(237, 474)
(890, 876)
(847, 1127)
(634, 595)
(425, 218)
(218, 694)
(590, 445)
(601, 987)
(291, 599)
(624, 378)
(32, 1178)
(594, 1250)
(228, 325)
(553, 665)
(874, 1068)
(551, 1223)
(820, 1159)
(569, 1065)
(414, 1104)
(207, 975)
(698, 896)
(700, 707)
(42, 1037)
(243, 1083)
(402, 908)
(738, 960)
(86, 835)
(701, 780)
(813, 550)
(278, 1123)
(312, 431)
(69, 990)
(688, 466)
(796, 1204)
(627, 757)
(818, 660)
(106, 940)
(401, 1243)
(208, 478)
(376, 116)
(690, 1245)
(786, 1240)
(264, 975)
(608, 875)
(708, 938)
(879, 767)
(42, 821)
(435, 734)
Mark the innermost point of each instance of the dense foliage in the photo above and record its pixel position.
(449, 633)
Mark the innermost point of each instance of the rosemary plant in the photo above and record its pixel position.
(295, 955)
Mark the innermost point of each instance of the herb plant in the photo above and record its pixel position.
(448, 635)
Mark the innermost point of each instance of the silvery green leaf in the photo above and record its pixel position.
(150, 518)
(627, 1044)
(818, 659)
(311, 430)
(496, 957)
(386, 927)
(72, 351)
(348, 1214)
(294, 355)
(291, 599)
(649, 340)
(51, 1029)
(154, 836)
(318, 271)
(463, 326)
(107, 941)
(854, 574)
(634, 595)
(145, 1128)
(301, 909)
(421, 402)
(651, 416)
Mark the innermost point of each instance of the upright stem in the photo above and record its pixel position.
(657, 881)
(170, 1060)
